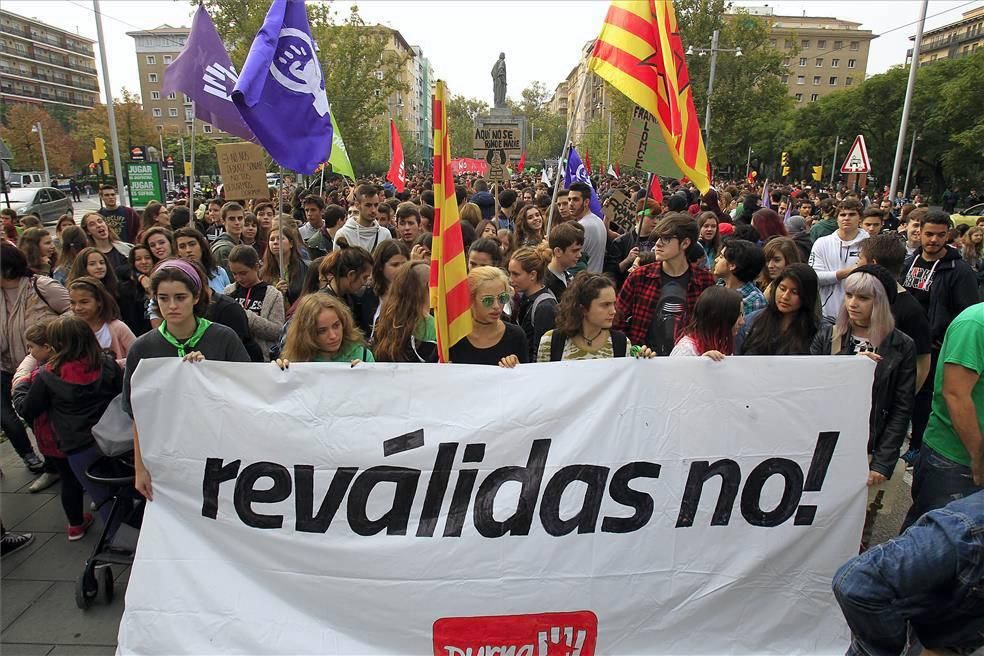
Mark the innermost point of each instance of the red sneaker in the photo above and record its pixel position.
(78, 532)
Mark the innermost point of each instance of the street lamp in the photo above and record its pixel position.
(833, 165)
(748, 162)
(714, 50)
(908, 169)
(44, 153)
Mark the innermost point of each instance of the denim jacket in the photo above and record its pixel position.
(930, 578)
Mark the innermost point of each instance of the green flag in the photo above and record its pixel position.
(339, 158)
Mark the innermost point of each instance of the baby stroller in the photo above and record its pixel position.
(118, 541)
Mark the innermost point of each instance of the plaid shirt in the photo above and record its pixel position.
(752, 298)
(640, 294)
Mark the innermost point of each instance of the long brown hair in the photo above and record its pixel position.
(109, 309)
(300, 345)
(402, 311)
(789, 250)
(270, 271)
(30, 245)
(80, 269)
(84, 224)
(71, 340)
(525, 235)
(73, 242)
(715, 313)
(584, 289)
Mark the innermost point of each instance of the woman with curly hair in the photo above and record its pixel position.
(323, 330)
(529, 226)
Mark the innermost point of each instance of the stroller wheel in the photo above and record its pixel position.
(86, 588)
(105, 579)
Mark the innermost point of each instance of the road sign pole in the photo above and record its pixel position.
(913, 67)
(111, 114)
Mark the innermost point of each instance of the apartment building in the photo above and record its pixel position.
(40, 63)
(958, 39)
(172, 113)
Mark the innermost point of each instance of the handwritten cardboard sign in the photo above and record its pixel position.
(646, 148)
(620, 210)
(243, 170)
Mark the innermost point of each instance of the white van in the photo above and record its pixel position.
(27, 179)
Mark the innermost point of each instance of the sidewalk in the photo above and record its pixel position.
(38, 612)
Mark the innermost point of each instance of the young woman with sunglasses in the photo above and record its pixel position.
(491, 341)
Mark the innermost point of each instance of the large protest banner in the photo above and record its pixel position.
(674, 506)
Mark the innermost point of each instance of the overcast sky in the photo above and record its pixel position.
(462, 39)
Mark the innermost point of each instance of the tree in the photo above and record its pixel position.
(25, 145)
(360, 72)
(133, 127)
(462, 113)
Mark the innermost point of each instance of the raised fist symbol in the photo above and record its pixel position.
(551, 645)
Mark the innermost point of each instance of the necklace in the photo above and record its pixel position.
(589, 341)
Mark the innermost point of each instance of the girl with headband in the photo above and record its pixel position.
(177, 290)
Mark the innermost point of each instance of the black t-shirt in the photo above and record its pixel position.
(513, 342)
(229, 313)
(117, 261)
(918, 280)
(910, 318)
(218, 343)
(670, 312)
(250, 298)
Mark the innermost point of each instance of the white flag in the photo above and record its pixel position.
(544, 178)
(611, 171)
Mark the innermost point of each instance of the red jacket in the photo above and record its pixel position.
(43, 432)
(639, 295)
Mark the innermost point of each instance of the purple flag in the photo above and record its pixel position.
(281, 92)
(204, 73)
(575, 172)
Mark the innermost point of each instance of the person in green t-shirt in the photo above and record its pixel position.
(323, 330)
(952, 457)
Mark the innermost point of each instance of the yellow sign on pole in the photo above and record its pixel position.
(187, 168)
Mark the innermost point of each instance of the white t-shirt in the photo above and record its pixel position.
(595, 241)
(686, 347)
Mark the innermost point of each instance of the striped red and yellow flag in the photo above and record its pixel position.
(640, 53)
(449, 295)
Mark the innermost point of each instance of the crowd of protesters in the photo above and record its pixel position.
(339, 273)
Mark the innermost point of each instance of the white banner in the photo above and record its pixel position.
(674, 506)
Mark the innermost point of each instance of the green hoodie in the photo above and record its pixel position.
(347, 353)
(823, 228)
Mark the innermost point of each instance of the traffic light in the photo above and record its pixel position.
(817, 173)
(105, 166)
(99, 152)
(785, 164)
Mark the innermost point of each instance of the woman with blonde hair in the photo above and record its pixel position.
(405, 331)
(779, 253)
(491, 341)
(323, 330)
(471, 213)
(865, 326)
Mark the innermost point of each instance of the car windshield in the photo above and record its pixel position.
(20, 196)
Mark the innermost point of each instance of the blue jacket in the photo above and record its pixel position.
(931, 578)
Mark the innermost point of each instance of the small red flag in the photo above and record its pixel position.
(587, 161)
(617, 172)
(656, 189)
(522, 163)
(397, 173)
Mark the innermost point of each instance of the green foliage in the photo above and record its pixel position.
(133, 127)
(462, 113)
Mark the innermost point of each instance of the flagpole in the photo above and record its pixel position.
(645, 205)
(907, 105)
(280, 222)
(191, 180)
(110, 112)
(560, 162)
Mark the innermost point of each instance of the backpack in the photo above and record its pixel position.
(557, 341)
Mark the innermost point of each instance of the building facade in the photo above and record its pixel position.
(959, 39)
(171, 113)
(823, 55)
(424, 79)
(593, 105)
(40, 63)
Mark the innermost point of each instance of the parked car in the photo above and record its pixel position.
(47, 203)
(26, 179)
(968, 216)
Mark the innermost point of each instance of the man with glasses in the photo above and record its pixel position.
(657, 300)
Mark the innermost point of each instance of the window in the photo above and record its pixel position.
(173, 112)
(206, 128)
(802, 62)
(785, 79)
(833, 81)
(379, 75)
(804, 44)
(799, 97)
(787, 61)
(816, 79)
(848, 81)
(151, 59)
(821, 43)
(189, 115)
(155, 95)
(855, 45)
(851, 63)
(172, 96)
(835, 63)
(814, 97)
(167, 59)
(789, 44)
(819, 62)
(157, 112)
(838, 45)
(152, 77)
(376, 93)
(800, 79)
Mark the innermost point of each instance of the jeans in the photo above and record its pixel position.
(926, 586)
(12, 426)
(936, 481)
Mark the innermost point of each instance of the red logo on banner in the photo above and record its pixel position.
(541, 634)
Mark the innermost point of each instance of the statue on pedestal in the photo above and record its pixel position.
(499, 81)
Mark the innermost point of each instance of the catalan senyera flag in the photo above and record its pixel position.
(449, 295)
(640, 53)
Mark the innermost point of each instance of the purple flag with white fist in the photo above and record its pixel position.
(204, 73)
(575, 172)
(281, 92)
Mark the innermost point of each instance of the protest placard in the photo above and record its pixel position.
(243, 170)
(620, 210)
(645, 146)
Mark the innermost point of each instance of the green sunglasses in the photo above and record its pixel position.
(487, 301)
